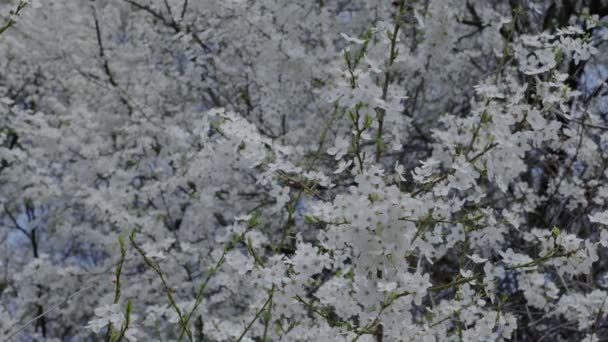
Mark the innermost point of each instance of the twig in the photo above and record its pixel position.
(387, 78)
(166, 287)
(257, 316)
(11, 335)
(11, 21)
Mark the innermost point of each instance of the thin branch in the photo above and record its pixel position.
(15, 223)
(387, 78)
(106, 63)
(10, 22)
(257, 316)
(166, 287)
(28, 323)
(184, 8)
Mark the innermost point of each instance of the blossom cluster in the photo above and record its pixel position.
(312, 171)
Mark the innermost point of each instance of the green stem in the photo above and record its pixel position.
(117, 288)
(166, 287)
(257, 316)
(387, 79)
(10, 22)
(268, 317)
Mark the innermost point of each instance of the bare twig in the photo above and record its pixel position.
(28, 323)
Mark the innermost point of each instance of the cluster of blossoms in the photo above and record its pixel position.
(317, 171)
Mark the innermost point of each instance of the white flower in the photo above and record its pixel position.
(466, 274)
(96, 325)
(216, 112)
(352, 39)
(511, 258)
(155, 255)
(591, 338)
(489, 91)
(425, 170)
(307, 260)
(342, 166)
(511, 218)
(339, 149)
(239, 261)
(601, 218)
(130, 334)
(373, 66)
(155, 250)
(604, 238)
(386, 286)
(399, 171)
(7, 101)
(416, 283)
(112, 311)
(107, 314)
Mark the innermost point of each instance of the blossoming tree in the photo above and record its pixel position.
(410, 170)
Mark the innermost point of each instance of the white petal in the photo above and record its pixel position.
(477, 259)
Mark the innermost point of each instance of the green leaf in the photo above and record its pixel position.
(254, 221)
(311, 219)
(130, 164)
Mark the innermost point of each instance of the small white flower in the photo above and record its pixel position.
(352, 39)
(342, 166)
(591, 338)
(156, 255)
(339, 149)
(601, 218)
(106, 310)
(240, 262)
(400, 171)
(216, 112)
(96, 325)
(604, 238)
(130, 334)
(424, 171)
(466, 273)
(366, 136)
(7, 101)
(477, 259)
(373, 66)
(107, 314)
(386, 286)
(489, 91)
